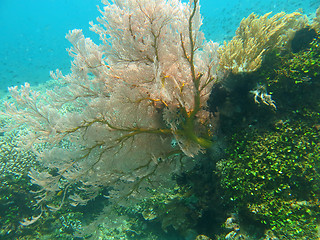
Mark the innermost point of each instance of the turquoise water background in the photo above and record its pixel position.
(32, 39)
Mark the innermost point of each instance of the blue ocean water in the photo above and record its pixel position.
(32, 39)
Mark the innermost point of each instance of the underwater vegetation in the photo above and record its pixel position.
(271, 172)
(160, 134)
(273, 176)
(14, 183)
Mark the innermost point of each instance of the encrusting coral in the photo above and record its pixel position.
(271, 173)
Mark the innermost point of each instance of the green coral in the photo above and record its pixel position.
(271, 174)
(174, 209)
(294, 78)
(274, 175)
(304, 66)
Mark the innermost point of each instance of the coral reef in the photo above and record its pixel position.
(316, 21)
(271, 172)
(135, 137)
(277, 180)
(256, 36)
(113, 120)
(15, 197)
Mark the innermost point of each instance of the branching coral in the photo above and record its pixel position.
(111, 121)
(256, 36)
(272, 173)
(316, 21)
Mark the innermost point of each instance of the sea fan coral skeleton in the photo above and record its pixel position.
(112, 120)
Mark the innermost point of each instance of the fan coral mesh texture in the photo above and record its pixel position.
(131, 113)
